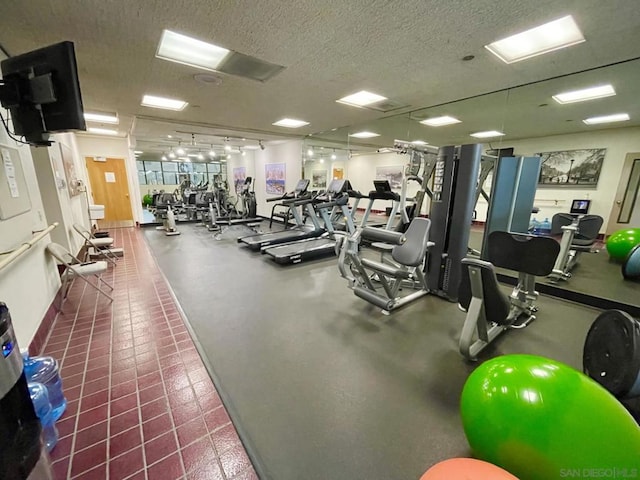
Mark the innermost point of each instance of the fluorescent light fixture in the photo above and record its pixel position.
(290, 123)
(322, 160)
(212, 153)
(252, 147)
(172, 155)
(161, 102)
(192, 155)
(364, 135)
(102, 131)
(440, 121)
(189, 51)
(361, 99)
(333, 156)
(138, 152)
(200, 156)
(101, 117)
(487, 134)
(310, 152)
(591, 93)
(244, 153)
(617, 117)
(164, 157)
(545, 38)
(419, 142)
(227, 148)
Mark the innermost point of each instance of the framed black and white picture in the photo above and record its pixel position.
(571, 168)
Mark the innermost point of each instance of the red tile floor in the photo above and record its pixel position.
(141, 404)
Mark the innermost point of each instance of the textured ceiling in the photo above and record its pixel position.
(522, 112)
(409, 51)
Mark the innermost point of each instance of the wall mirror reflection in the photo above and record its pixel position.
(584, 127)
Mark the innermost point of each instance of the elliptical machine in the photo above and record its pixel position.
(248, 195)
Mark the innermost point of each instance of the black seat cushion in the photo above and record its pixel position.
(496, 303)
(523, 253)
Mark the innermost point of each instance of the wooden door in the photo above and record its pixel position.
(626, 208)
(110, 187)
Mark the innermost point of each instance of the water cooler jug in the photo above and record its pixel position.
(21, 454)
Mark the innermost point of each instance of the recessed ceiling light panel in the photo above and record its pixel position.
(545, 38)
(189, 51)
(102, 131)
(419, 142)
(101, 117)
(487, 134)
(591, 93)
(361, 99)
(364, 135)
(617, 117)
(165, 103)
(290, 123)
(440, 121)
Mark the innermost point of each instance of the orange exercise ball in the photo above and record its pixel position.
(466, 469)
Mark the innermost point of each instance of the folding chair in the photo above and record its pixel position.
(101, 246)
(75, 268)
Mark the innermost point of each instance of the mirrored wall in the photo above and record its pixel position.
(585, 154)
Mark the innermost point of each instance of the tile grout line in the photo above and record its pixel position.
(84, 374)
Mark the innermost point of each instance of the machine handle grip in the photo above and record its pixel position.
(381, 235)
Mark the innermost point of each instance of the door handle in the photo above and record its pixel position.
(618, 202)
(126, 195)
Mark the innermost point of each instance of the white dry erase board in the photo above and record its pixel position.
(14, 196)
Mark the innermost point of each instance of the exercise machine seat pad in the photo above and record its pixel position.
(523, 253)
(560, 220)
(385, 269)
(496, 303)
(588, 229)
(611, 353)
(413, 251)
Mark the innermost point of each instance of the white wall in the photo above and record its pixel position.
(289, 153)
(361, 172)
(28, 285)
(115, 147)
(618, 143)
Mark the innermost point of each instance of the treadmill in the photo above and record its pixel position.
(335, 199)
(299, 199)
(382, 191)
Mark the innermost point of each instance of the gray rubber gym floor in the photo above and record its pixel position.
(320, 384)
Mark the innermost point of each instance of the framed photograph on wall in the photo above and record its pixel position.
(571, 168)
(274, 174)
(391, 173)
(239, 176)
(70, 170)
(319, 179)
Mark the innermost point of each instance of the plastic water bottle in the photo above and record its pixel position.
(42, 406)
(45, 370)
(545, 227)
(535, 224)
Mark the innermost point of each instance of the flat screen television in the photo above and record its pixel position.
(580, 207)
(42, 91)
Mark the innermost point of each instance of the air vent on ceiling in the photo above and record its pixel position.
(249, 67)
(386, 106)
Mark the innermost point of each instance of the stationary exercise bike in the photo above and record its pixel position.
(579, 233)
(489, 311)
(164, 211)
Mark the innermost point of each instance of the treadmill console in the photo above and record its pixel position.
(301, 187)
(382, 186)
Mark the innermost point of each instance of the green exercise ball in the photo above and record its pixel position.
(620, 243)
(540, 420)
